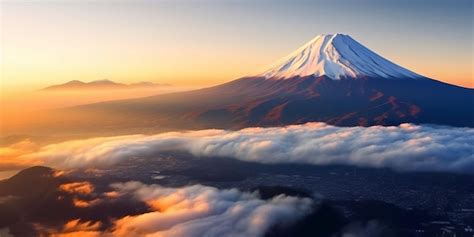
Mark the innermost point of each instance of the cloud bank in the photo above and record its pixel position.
(206, 211)
(403, 147)
(193, 211)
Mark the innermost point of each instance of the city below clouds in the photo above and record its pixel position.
(406, 147)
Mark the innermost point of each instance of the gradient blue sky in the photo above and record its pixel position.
(205, 42)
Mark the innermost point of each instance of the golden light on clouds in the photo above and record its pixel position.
(78, 228)
(82, 188)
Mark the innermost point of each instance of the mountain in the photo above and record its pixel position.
(100, 85)
(332, 79)
(20, 184)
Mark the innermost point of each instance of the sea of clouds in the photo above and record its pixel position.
(406, 147)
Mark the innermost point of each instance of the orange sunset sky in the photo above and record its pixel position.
(202, 43)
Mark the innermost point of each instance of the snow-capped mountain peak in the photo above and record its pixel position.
(336, 56)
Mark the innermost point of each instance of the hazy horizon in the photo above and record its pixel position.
(204, 43)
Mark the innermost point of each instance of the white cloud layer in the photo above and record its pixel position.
(206, 211)
(404, 147)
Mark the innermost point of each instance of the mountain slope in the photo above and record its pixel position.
(366, 101)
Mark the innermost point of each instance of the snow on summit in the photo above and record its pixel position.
(336, 56)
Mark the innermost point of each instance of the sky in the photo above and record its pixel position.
(206, 42)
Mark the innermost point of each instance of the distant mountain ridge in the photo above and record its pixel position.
(100, 85)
